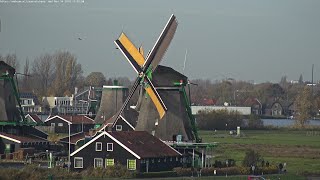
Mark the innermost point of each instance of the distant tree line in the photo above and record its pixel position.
(55, 74)
(226, 120)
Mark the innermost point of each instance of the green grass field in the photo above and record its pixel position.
(299, 149)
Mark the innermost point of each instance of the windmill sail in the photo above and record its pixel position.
(162, 44)
(144, 68)
(132, 54)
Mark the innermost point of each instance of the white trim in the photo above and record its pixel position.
(115, 87)
(9, 138)
(171, 147)
(97, 146)
(111, 146)
(94, 162)
(109, 135)
(56, 116)
(88, 118)
(28, 115)
(74, 162)
(127, 122)
(168, 88)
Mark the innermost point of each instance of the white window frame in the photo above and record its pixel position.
(94, 162)
(97, 146)
(118, 127)
(53, 125)
(74, 162)
(108, 146)
(60, 124)
(135, 164)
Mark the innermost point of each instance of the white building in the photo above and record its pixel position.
(242, 110)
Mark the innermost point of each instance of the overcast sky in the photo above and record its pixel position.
(260, 40)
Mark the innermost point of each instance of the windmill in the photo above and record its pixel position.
(145, 67)
(9, 95)
(178, 119)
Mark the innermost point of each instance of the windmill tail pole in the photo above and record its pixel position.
(189, 112)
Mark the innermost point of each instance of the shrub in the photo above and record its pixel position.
(228, 171)
(183, 171)
(33, 172)
(116, 171)
(251, 158)
(272, 169)
(254, 122)
(217, 119)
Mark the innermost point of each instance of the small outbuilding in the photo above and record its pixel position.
(10, 143)
(78, 123)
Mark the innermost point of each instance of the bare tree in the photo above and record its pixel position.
(12, 60)
(25, 79)
(43, 71)
(303, 106)
(67, 73)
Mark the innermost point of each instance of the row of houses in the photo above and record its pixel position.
(86, 102)
(137, 150)
(78, 103)
(276, 108)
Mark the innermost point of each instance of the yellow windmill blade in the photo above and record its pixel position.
(156, 101)
(155, 97)
(132, 54)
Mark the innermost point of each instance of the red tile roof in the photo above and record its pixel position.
(139, 143)
(21, 139)
(144, 144)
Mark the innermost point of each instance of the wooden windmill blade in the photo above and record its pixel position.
(156, 99)
(131, 53)
(162, 44)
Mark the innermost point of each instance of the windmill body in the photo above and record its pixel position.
(8, 109)
(111, 101)
(176, 120)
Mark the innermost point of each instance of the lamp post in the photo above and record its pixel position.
(69, 162)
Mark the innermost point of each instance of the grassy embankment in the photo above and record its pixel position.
(300, 149)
